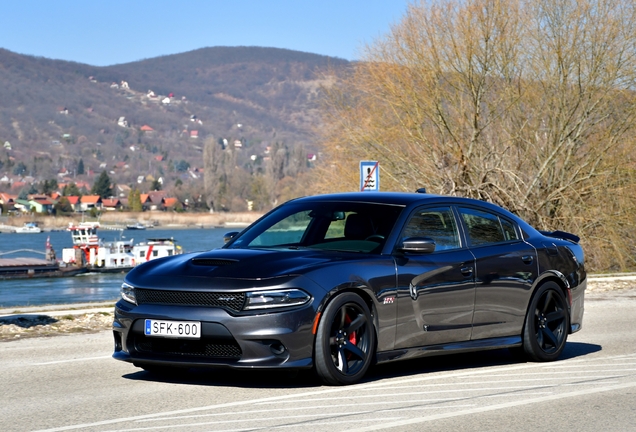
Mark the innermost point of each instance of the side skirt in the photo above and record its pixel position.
(450, 348)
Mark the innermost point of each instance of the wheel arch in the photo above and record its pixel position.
(558, 278)
(363, 291)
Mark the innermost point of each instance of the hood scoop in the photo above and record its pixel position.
(212, 262)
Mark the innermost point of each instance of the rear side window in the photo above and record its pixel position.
(435, 223)
(487, 228)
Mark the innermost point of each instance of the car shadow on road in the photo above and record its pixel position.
(222, 377)
(467, 361)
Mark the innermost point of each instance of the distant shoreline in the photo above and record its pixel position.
(157, 219)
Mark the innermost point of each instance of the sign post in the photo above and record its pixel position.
(369, 176)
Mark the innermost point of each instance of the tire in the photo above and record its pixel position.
(547, 324)
(345, 341)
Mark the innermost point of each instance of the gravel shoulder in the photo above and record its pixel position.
(58, 320)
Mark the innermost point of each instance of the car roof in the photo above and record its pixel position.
(395, 198)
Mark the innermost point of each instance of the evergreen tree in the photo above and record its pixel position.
(63, 207)
(71, 189)
(134, 201)
(156, 185)
(102, 186)
(80, 167)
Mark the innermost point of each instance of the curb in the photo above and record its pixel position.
(30, 312)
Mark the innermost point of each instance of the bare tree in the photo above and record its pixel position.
(526, 103)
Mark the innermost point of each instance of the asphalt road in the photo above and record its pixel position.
(71, 383)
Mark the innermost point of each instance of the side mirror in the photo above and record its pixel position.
(417, 245)
(229, 236)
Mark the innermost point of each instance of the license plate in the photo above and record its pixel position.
(173, 329)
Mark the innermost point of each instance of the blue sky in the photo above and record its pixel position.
(103, 33)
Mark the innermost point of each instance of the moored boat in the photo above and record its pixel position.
(154, 248)
(29, 228)
(136, 226)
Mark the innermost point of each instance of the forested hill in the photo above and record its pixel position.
(54, 112)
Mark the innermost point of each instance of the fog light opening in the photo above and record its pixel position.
(117, 336)
(277, 348)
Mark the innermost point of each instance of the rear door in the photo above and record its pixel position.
(436, 290)
(505, 269)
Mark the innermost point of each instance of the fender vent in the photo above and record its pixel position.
(212, 262)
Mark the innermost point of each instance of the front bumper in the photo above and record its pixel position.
(280, 339)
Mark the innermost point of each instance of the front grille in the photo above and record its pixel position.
(182, 348)
(232, 301)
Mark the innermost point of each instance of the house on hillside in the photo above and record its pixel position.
(23, 206)
(146, 128)
(122, 122)
(170, 203)
(42, 205)
(122, 191)
(88, 202)
(194, 134)
(155, 200)
(111, 204)
(145, 201)
(74, 201)
(7, 202)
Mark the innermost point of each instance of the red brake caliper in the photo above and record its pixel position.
(352, 336)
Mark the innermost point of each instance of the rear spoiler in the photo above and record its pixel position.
(562, 235)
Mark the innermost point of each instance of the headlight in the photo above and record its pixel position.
(275, 299)
(128, 293)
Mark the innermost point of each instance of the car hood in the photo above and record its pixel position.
(241, 264)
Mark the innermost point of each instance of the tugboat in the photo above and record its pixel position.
(118, 256)
(97, 255)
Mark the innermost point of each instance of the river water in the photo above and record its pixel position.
(89, 287)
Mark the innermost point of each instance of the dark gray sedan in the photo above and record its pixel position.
(340, 282)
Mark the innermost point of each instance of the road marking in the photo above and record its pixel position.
(71, 360)
(321, 416)
(295, 408)
(378, 384)
(513, 404)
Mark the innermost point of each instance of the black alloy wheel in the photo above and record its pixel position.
(345, 340)
(547, 324)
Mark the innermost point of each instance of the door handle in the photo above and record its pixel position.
(466, 271)
(527, 259)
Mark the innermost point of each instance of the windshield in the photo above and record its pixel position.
(341, 226)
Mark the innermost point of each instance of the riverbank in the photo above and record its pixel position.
(150, 218)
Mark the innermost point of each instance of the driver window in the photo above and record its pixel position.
(435, 223)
